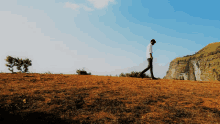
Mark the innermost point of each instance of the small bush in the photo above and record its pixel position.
(133, 74)
(79, 72)
(122, 75)
(48, 73)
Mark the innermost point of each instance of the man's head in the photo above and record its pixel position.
(153, 41)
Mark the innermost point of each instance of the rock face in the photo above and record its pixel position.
(201, 66)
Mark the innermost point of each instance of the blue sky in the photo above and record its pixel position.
(104, 36)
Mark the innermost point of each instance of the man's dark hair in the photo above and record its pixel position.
(153, 40)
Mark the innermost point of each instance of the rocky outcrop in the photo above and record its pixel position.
(202, 66)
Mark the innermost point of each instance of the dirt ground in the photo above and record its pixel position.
(66, 99)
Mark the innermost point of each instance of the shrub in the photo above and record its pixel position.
(127, 75)
(133, 74)
(48, 72)
(79, 72)
(187, 55)
(146, 76)
(122, 75)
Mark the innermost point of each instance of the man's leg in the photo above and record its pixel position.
(149, 66)
(151, 70)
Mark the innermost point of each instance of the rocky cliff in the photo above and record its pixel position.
(201, 66)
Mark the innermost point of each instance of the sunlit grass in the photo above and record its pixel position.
(121, 99)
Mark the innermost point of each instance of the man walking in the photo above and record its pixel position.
(150, 59)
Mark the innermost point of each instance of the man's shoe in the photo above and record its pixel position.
(153, 78)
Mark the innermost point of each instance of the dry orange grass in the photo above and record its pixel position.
(64, 99)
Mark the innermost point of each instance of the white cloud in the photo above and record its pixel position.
(72, 6)
(87, 8)
(99, 4)
(77, 6)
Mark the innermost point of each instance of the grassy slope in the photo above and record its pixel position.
(104, 99)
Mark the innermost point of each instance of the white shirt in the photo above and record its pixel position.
(149, 50)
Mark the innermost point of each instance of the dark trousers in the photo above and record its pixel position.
(150, 66)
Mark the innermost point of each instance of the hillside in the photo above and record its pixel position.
(202, 66)
(66, 99)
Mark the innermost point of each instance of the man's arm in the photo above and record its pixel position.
(151, 55)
